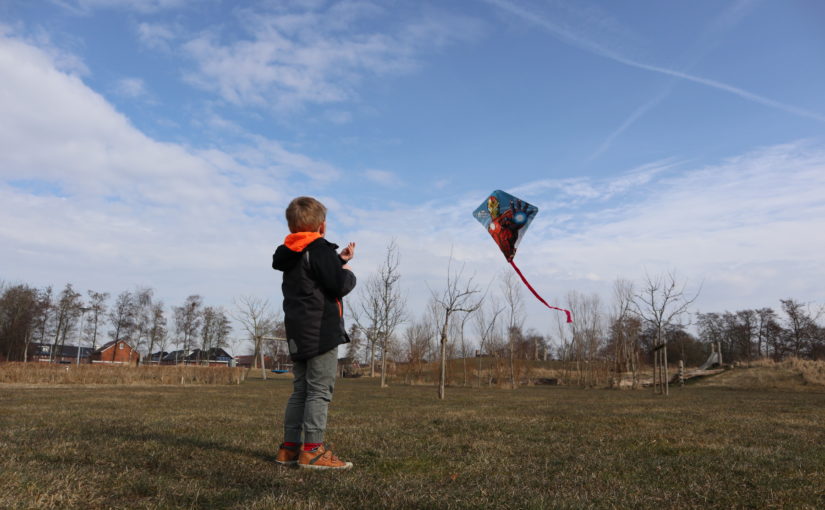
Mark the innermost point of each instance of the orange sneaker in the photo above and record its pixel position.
(321, 458)
(287, 455)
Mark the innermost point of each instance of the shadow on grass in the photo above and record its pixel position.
(178, 441)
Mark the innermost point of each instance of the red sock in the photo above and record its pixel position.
(288, 444)
(311, 446)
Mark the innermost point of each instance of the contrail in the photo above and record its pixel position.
(630, 121)
(577, 40)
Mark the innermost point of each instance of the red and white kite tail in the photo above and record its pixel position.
(567, 312)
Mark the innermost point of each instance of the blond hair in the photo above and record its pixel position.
(305, 214)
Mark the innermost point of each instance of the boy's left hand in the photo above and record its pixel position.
(348, 253)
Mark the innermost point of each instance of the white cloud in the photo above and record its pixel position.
(314, 54)
(746, 229)
(157, 36)
(383, 178)
(131, 87)
(338, 117)
(85, 195)
(142, 6)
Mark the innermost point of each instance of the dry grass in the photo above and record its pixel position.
(43, 373)
(539, 447)
(488, 371)
(791, 374)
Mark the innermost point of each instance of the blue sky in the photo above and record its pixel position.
(156, 142)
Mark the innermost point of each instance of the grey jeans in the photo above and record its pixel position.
(312, 387)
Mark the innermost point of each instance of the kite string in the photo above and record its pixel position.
(567, 312)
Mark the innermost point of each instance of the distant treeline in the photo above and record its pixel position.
(31, 316)
(624, 337)
(745, 335)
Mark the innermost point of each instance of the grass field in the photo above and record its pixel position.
(535, 447)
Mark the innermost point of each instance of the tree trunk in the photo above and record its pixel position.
(512, 364)
(384, 363)
(656, 369)
(372, 358)
(263, 362)
(442, 380)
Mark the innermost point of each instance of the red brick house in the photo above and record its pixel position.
(250, 360)
(116, 353)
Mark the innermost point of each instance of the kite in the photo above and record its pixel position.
(506, 218)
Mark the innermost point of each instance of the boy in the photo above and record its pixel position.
(316, 279)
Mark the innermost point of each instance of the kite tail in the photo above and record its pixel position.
(567, 312)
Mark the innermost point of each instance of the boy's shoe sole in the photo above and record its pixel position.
(347, 465)
(288, 463)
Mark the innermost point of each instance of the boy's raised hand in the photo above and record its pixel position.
(348, 253)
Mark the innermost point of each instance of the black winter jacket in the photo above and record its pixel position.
(313, 287)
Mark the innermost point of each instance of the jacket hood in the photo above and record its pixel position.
(300, 240)
(284, 259)
(289, 253)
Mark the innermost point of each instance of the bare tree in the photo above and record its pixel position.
(187, 322)
(122, 316)
(143, 316)
(259, 321)
(764, 317)
(42, 317)
(67, 311)
(460, 330)
(661, 303)
(215, 329)
(486, 322)
(417, 339)
(366, 316)
(624, 332)
(458, 296)
(157, 330)
(801, 327)
(18, 310)
(392, 303)
(382, 308)
(586, 335)
(514, 303)
(97, 310)
(275, 343)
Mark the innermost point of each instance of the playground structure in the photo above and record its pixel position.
(711, 366)
(715, 358)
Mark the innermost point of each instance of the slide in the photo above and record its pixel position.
(713, 359)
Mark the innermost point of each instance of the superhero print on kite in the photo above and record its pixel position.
(506, 219)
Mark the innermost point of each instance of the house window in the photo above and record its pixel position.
(120, 347)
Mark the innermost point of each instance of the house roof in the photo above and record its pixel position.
(107, 345)
(65, 351)
(213, 354)
(175, 355)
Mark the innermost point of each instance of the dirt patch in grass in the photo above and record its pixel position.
(536, 447)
